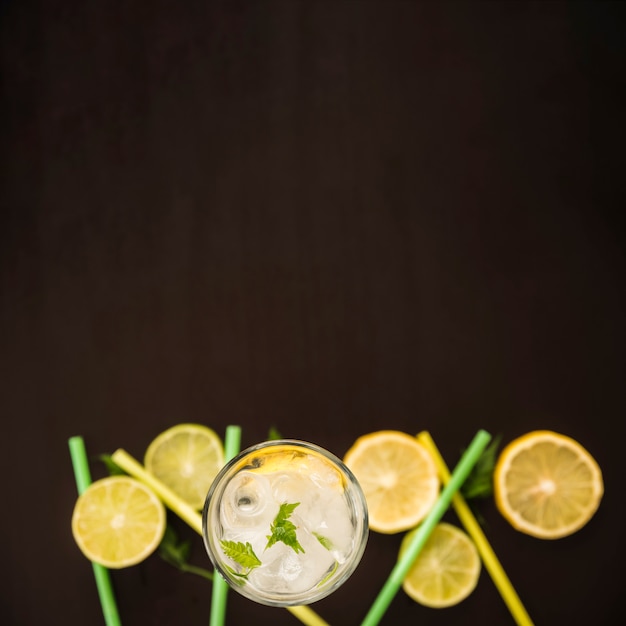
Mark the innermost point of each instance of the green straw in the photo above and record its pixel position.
(101, 573)
(404, 564)
(232, 440)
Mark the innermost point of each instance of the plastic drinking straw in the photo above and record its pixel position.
(402, 567)
(490, 560)
(101, 573)
(170, 499)
(307, 616)
(193, 518)
(232, 440)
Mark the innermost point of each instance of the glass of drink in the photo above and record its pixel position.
(285, 523)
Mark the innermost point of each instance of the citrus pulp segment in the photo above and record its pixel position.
(398, 477)
(186, 458)
(446, 570)
(547, 485)
(118, 522)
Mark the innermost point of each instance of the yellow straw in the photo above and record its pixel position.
(307, 616)
(489, 558)
(178, 505)
(189, 515)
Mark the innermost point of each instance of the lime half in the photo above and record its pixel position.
(186, 458)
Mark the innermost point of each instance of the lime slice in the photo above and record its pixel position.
(118, 522)
(447, 569)
(186, 458)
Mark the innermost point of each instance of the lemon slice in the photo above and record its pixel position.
(446, 570)
(398, 477)
(186, 458)
(547, 485)
(118, 522)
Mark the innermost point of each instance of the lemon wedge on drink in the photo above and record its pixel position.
(118, 522)
(186, 458)
(398, 477)
(446, 570)
(547, 485)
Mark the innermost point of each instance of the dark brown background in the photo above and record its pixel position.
(331, 217)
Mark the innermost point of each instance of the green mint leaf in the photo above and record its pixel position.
(273, 434)
(325, 541)
(171, 549)
(240, 579)
(241, 553)
(286, 533)
(198, 571)
(285, 511)
(479, 483)
(283, 530)
(176, 553)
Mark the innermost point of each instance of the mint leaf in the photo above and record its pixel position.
(176, 553)
(241, 553)
(285, 511)
(240, 579)
(325, 541)
(284, 530)
(274, 434)
(173, 550)
(479, 483)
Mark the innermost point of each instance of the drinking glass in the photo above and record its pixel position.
(285, 523)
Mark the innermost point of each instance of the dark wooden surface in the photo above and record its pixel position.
(329, 217)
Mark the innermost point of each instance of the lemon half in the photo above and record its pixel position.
(547, 485)
(398, 477)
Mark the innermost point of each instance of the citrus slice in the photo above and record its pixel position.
(398, 477)
(118, 522)
(446, 570)
(547, 485)
(186, 458)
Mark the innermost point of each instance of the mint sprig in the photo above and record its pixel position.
(479, 483)
(241, 553)
(176, 553)
(283, 529)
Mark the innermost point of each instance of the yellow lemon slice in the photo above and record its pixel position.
(446, 570)
(118, 522)
(547, 485)
(398, 477)
(186, 458)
